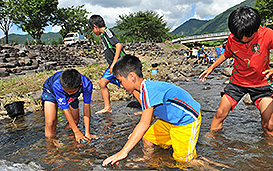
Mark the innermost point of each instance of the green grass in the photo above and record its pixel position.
(21, 86)
(24, 84)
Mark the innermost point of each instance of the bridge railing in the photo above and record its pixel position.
(201, 36)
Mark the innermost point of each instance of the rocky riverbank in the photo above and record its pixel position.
(23, 60)
(20, 62)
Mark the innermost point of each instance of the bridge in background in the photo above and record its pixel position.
(202, 38)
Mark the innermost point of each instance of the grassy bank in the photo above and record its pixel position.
(25, 87)
(23, 84)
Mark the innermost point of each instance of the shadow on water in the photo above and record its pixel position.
(241, 144)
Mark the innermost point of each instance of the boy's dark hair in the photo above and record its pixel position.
(70, 78)
(127, 64)
(97, 20)
(244, 21)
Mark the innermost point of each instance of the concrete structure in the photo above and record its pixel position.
(202, 38)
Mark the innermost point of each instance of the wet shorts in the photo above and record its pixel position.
(48, 96)
(113, 79)
(183, 139)
(235, 93)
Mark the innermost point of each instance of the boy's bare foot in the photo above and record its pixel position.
(104, 111)
(57, 143)
(207, 167)
(138, 113)
(54, 142)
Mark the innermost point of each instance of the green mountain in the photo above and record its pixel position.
(189, 27)
(22, 39)
(218, 24)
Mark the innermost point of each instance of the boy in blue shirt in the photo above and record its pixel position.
(63, 89)
(179, 114)
(113, 50)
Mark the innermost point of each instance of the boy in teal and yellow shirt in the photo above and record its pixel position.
(179, 114)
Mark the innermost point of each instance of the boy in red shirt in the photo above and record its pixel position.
(250, 45)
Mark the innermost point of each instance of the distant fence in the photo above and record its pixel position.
(202, 38)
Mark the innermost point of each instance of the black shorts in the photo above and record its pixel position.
(236, 92)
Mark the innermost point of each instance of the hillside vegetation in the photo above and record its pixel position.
(215, 25)
(22, 39)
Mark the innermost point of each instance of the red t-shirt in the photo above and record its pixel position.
(250, 59)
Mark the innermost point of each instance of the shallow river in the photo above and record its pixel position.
(240, 145)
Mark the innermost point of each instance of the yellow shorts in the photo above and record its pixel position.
(183, 139)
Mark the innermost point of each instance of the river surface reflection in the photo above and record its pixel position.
(240, 145)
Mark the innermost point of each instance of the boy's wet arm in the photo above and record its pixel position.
(87, 110)
(116, 57)
(86, 118)
(140, 129)
(73, 126)
(118, 51)
(218, 61)
(203, 76)
(136, 136)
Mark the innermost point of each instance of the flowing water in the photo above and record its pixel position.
(240, 145)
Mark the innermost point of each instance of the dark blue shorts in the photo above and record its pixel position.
(113, 79)
(48, 96)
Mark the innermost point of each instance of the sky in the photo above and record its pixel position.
(175, 12)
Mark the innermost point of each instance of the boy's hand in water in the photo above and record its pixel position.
(205, 74)
(79, 136)
(115, 158)
(90, 136)
(210, 135)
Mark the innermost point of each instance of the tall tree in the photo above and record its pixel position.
(265, 8)
(5, 18)
(72, 19)
(33, 16)
(147, 25)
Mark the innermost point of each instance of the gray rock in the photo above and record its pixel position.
(13, 94)
(37, 95)
(247, 100)
(3, 72)
(227, 71)
(8, 166)
(97, 96)
(7, 65)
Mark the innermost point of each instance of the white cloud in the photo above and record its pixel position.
(66, 3)
(110, 15)
(175, 12)
(56, 29)
(213, 8)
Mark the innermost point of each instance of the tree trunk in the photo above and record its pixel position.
(7, 37)
(39, 39)
(36, 37)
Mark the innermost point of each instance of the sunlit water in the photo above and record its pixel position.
(240, 145)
